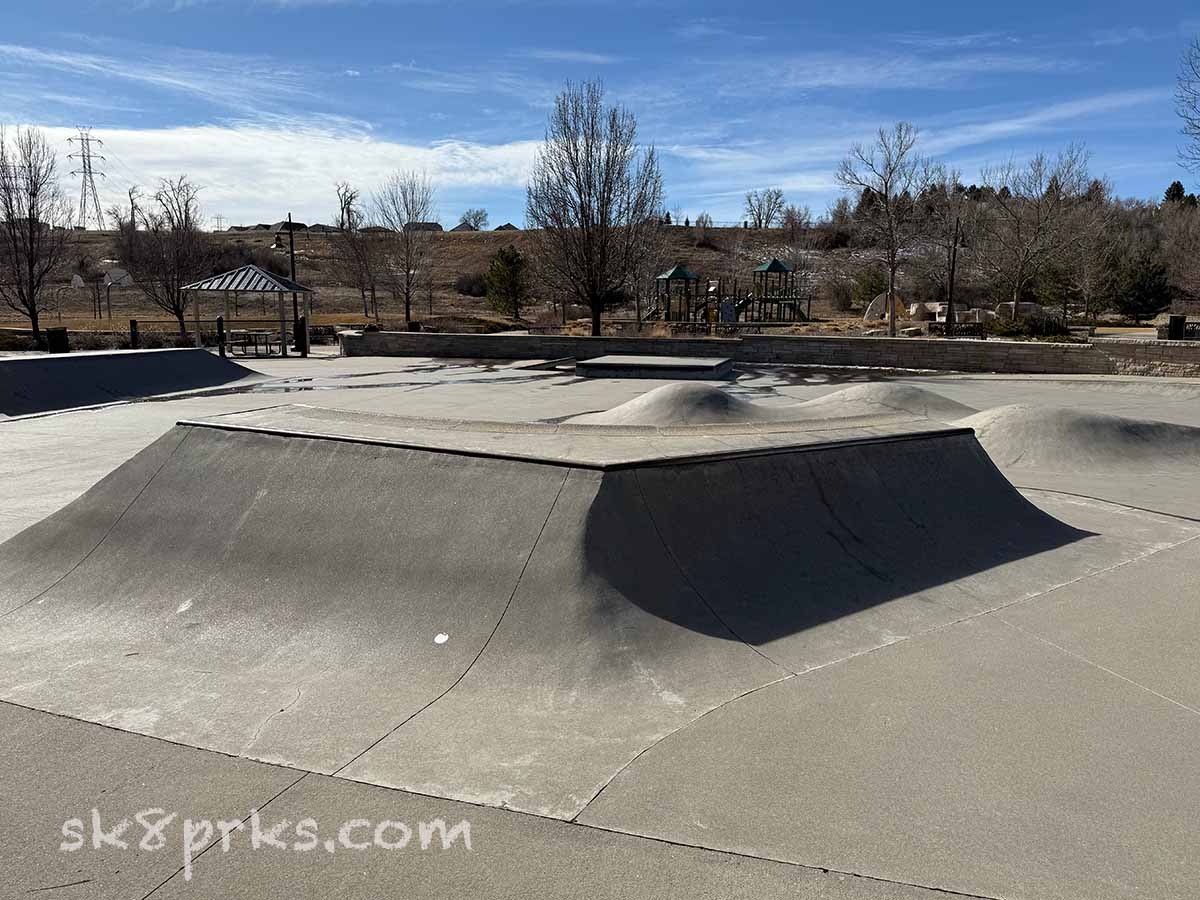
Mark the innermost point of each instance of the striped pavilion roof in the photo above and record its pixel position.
(249, 280)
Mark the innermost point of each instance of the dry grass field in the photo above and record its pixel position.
(727, 252)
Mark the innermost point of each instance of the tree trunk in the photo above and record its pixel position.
(37, 328)
(950, 290)
(182, 323)
(891, 301)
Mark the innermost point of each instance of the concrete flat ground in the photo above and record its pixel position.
(1015, 716)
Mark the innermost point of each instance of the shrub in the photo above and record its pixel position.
(472, 284)
(1027, 327)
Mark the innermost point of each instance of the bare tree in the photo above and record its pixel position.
(795, 219)
(594, 194)
(476, 218)
(764, 208)
(169, 250)
(1026, 217)
(1187, 103)
(1089, 268)
(950, 219)
(1181, 226)
(404, 205)
(888, 174)
(652, 259)
(801, 255)
(356, 250)
(35, 223)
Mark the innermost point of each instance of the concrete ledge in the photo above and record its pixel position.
(675, 367)
(1179, 359)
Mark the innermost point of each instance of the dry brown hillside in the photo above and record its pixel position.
(725, 252)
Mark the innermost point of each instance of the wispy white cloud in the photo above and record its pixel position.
(573, 56)
(939, 41)
(893, 71)
(709, 28)
(218, 78)
(968, 134)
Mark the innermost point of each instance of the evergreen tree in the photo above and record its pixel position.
(1142, 288)
(1175, 193)
(508, 281)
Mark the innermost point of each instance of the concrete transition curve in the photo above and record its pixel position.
(502, 631)
(37, 384)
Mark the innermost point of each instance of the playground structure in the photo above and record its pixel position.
(774, 296)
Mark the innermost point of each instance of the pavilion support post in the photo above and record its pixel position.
(196, 307)
(282, 326)
(307, 322)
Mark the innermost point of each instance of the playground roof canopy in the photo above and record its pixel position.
(678, 273)
(249, 279)
(774, 265)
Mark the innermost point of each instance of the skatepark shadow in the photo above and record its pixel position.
(771, 546)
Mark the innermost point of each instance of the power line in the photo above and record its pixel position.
(89, 200)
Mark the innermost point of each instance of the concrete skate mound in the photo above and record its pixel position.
(504, 631)
(680, 404)
(698, 404)
(880, 397)
(1054, 439)
(38, 384)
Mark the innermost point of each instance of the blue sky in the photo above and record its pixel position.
(267, 103)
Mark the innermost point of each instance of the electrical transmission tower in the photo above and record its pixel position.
(89, 200)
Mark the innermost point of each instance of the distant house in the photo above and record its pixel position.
(375, 229)
(507, 226)
(423, 226)
(464, 226)
(322, 229)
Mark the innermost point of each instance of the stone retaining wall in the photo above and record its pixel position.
(1175, 358)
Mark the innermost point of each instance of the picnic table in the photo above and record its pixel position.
(259, 340)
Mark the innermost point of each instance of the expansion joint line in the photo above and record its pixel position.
(691, 585)
(504, 612)
(215, 841)
(104, 537)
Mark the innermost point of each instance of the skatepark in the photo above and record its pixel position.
(795, 631)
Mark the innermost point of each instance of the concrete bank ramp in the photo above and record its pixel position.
(701, 404)
(1068, 440)
(508, 632)
(36, 384)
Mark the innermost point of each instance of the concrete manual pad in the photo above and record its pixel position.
(57, 769)
(673, 367)
(973, 759)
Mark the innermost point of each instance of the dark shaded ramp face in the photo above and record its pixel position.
(243, 605)
(813, 556)
(38, 384)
